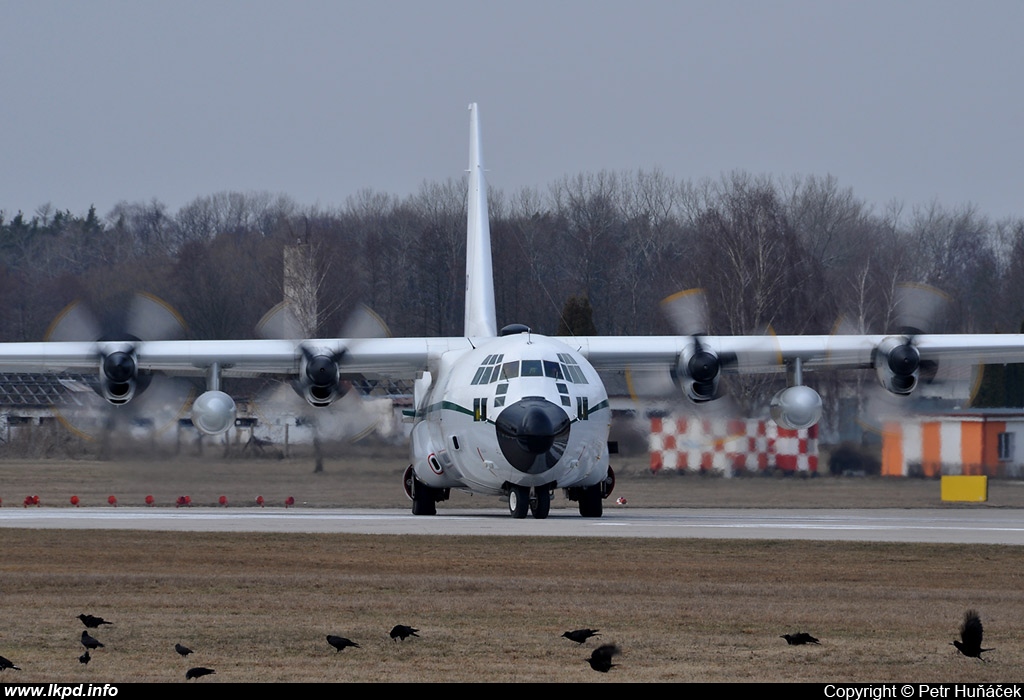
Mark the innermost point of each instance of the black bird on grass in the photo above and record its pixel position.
(85, 658)
(182, 650)
(93, 622)
(601, 658)
(90, 642)
(403, 631)
(340, 643)
(6, 663)
(971, 631)
(580, 636)
(198, 672)
(799, 638)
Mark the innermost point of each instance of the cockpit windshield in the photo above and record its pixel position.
(492, 369)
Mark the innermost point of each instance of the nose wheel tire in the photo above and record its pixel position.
(519, 501)
(540, 504)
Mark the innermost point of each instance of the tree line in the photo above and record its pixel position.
(790, 255)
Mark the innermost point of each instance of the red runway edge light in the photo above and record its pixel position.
(74, 501)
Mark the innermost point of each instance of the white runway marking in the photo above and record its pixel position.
(955, 525)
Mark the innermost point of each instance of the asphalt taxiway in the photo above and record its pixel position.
(979, 525)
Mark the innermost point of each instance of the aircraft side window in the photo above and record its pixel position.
(576, 374)
(502, 389)
(571, 370)
(478, 378)
(532, 368)
(479, 409)
(510, 370)
(495, 371)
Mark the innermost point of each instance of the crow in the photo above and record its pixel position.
(403, 631)
(799, 638)
(198, 672)
(340, 643)
(90, 642)
(85, 658)
(580, 636)
(601, 658)
(182, 650)
(6, 663)
(970, 636)
(93, 622)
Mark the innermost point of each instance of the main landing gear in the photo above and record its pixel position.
(520, 501)
(424, 498)
(591, 498)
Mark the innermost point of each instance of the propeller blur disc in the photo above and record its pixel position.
(160, 400)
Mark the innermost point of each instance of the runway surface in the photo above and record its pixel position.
(959, 526)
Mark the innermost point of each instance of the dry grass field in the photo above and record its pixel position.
(259, 607)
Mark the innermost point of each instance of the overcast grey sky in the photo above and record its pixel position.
(105, 101)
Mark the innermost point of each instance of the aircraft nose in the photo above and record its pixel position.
(532, 434)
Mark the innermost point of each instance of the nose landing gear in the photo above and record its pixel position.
(520, 500)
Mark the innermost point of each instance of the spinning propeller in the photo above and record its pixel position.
(320, 397)
(698, 372)
(905, 379)
(121, 396)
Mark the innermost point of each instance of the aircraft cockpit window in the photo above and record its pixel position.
(532, 368)
(571, 369)
(552, 369)
(488, 370)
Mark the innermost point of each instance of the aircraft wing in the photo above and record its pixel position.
(394, 358)
(770, 353)
(398, 358)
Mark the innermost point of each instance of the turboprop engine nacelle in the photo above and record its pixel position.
(698, 369)
(319, 380)
(213, 412)
(796, 407)
(118, 375)
(897, 363)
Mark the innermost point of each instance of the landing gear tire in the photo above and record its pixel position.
(423, 502)
(540, 504)
(591, 502)
(424, 499)
(519, 501)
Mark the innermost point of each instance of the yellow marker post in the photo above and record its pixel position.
(973, 489)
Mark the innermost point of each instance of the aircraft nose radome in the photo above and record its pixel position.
(532, 434)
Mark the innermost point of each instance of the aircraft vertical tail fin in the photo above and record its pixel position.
(481, 318)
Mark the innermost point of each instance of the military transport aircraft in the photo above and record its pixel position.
(510, 413)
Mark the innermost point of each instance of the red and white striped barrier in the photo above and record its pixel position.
(729, 446)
